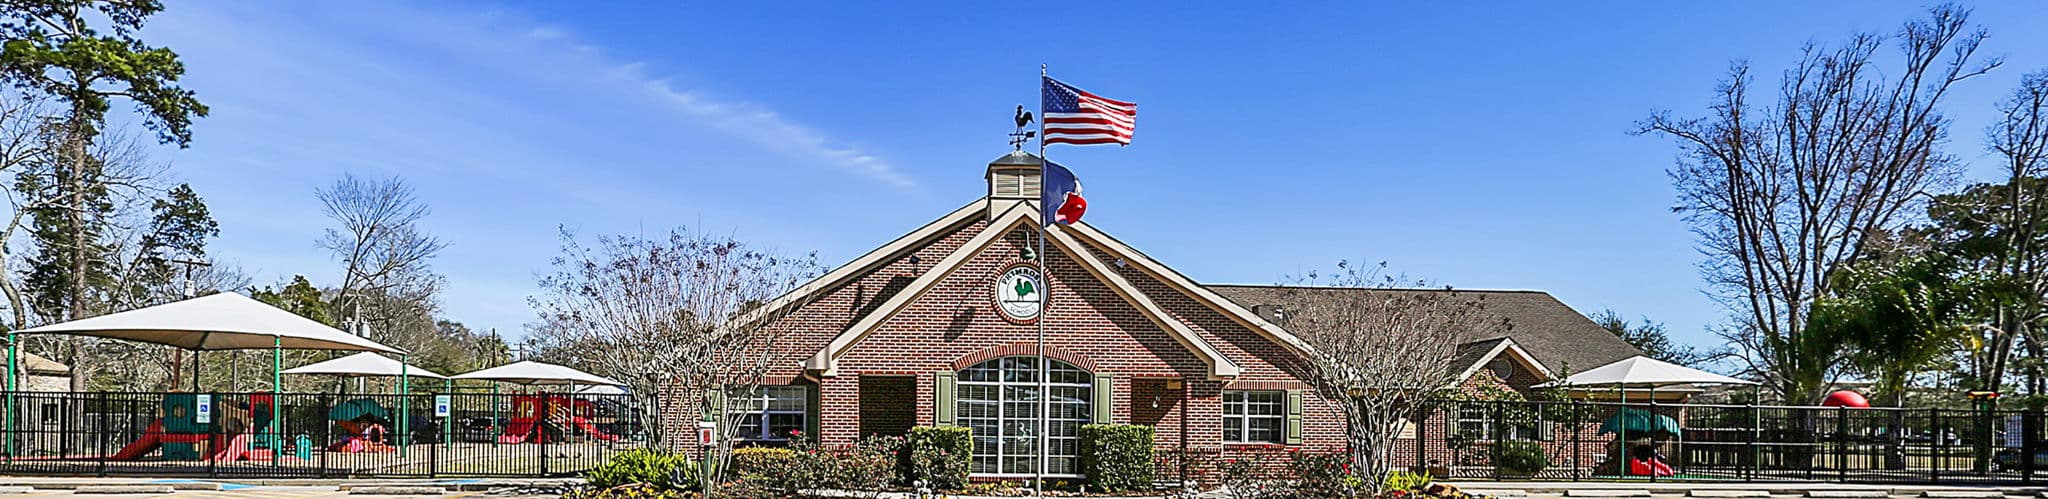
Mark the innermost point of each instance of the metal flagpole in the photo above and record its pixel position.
(1044, 298)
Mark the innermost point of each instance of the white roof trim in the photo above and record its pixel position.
(1516, 352)
(1015, 215)
(859, 266)
(828, 356)
(1219, 366)
(1181, 283)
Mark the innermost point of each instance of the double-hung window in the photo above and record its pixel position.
(1255, 417)
(771, 413)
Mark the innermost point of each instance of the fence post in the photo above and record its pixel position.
(1842, 442)
(434, 451)
(212, 431)
(1578, 440)
(326, 432)
(541, 431)
(2028, 428)
(1498, 432)
(1753, 457)
(1654, 451)
(103, 430)
(1940, 444)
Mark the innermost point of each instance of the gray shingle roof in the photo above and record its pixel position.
(1549, 330)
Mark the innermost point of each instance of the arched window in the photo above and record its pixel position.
(999, 400)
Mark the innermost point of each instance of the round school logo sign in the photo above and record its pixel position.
(1018, 293)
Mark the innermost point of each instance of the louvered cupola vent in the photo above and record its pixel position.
(1012, 176)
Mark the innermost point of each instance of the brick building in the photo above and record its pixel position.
(939, 327)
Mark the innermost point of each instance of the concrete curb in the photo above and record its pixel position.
(1497, 493)
(17, 490)
(125, 489)
(1962, 494)
(1847, 494)
(1728, 493)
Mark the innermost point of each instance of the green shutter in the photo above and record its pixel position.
(1104, 403)
(714, 397)
(813, 406)
(1294, 417)
(942, 399)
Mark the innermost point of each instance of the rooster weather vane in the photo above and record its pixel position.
(1020, 136)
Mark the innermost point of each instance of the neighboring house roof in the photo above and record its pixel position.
(37, 365)
(1551, 332)
(1476, 355)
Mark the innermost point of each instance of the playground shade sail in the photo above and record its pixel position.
(363, 364)
(221, 321)
(1644, 372)
(1640, 422)
(538, 373)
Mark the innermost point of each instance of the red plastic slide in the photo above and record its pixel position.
(237, 449)
(516, 432)
(1653, 467)
(591, 429)
(151, 437)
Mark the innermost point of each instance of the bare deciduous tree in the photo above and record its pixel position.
(379, 242)
(1381, 356)
(2019, 263)
(660, 314)
(1784, 195)
(387, 284)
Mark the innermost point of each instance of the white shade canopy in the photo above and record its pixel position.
(537, 373)
(600, 390)
(1643, 372)
(363, 364)
(221, 321)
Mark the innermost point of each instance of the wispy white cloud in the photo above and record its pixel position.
(754, 123)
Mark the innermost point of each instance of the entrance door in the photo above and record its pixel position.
(999, 400)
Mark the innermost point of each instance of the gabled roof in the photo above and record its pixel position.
(1013, 216)
(1560, 338)
(860, 266)
(37, 365)
(1476, 355)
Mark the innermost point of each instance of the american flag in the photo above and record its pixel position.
(1074, 116)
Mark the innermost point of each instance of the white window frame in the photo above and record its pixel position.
(761, 402)
(1241, 411)
(1014, 383)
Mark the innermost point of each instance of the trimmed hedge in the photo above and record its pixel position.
(940, 456)
(1117, 457)
(748, 461)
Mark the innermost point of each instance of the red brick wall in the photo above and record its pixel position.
(1087, 323)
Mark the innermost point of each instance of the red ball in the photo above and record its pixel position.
(1845, 398)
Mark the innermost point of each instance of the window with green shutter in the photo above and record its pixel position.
(1254, 417)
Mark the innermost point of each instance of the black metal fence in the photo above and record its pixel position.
(313, 435)
(1610, 441)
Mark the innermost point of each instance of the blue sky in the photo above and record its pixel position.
(1480, 145)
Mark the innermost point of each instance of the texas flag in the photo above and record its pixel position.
(1059, 195)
